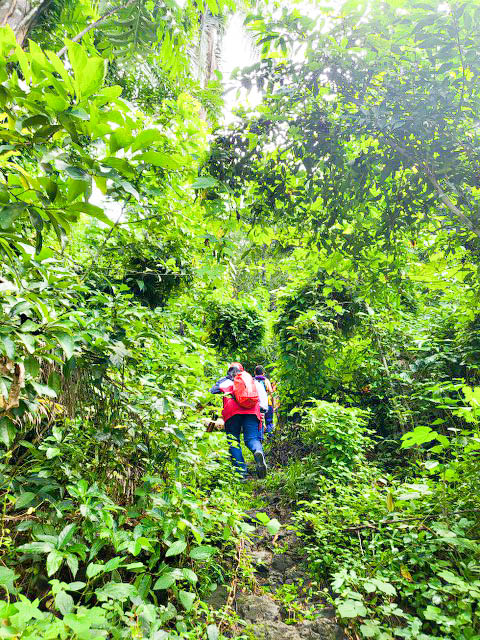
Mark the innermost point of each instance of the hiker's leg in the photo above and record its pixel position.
(251, 435)
(261, 430)
(269, 421)
(233, 427)
(251, 432)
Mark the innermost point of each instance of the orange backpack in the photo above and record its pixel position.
(245, 390)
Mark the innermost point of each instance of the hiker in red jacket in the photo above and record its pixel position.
(236, 418)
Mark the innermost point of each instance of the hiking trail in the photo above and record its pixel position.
(279, 604)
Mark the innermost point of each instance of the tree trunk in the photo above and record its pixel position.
(209, 47)
(20, 15)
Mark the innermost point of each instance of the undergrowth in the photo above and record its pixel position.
(398, 556)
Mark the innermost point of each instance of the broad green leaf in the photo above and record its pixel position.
(7, 431)
(212, 632)
(146, 137)
(190, 575)
(94, 569)
(67, 343)
(8, 347)
(176, 548)
(204, 182)
(36, 547)
(273, 526)
(64, 602)
(43, 389)
(351, 609)
(420, 435)
(160, 159)
(7, 578)
(10, 212)
(66, 535)
(24, 499)
(203, 552)
(165, 581)
(89, 72)
(52, 452)
(91, 210)
(54, 561)
(54, 382)
(187, 598)
(115, 591)
(262, 518)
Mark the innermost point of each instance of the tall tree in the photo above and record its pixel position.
(20, 15)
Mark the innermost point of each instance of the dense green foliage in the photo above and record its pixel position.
(235, 329)
(400, 555)
(330, 233)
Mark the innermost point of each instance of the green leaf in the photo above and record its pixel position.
(24, 499)
(115, 591)
(351, 609)
(165, 581)
(91, 210)
(7, 431)
(65, 535)
(89, 72)
(54, 382)
(369, 629)
(204, 182)
(54, 560)
(72, 562)
(28, 340)
(159, 159)
(94, 569)
(113, 563)
(273, 526)
(7, 578)
(43, 390)
(204, 552)
(176, 548)
(52, 452)
(10, 213)
(8, 347)
(64, 602)
(76, 586)
(187, 598)
(36, 547)
(262, 518)
(212, 632)
(419, 435)
(190, 575)
(67, 343)
(146, 137)
(77, 173)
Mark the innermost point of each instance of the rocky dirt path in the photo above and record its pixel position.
(280, 606)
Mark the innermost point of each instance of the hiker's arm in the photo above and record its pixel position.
(216, 387)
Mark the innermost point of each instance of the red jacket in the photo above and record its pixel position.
(230, 405)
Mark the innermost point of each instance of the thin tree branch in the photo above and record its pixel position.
(447, 202)
(93, 25)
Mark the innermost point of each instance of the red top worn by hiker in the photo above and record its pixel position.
(240, 395)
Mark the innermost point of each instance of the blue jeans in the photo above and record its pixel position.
(251, 437)
(269, 421)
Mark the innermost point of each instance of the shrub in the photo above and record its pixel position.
(313, 323)
(235, 328)
(338, 433)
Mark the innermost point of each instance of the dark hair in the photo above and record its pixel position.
(232, 372)
(259, 370)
